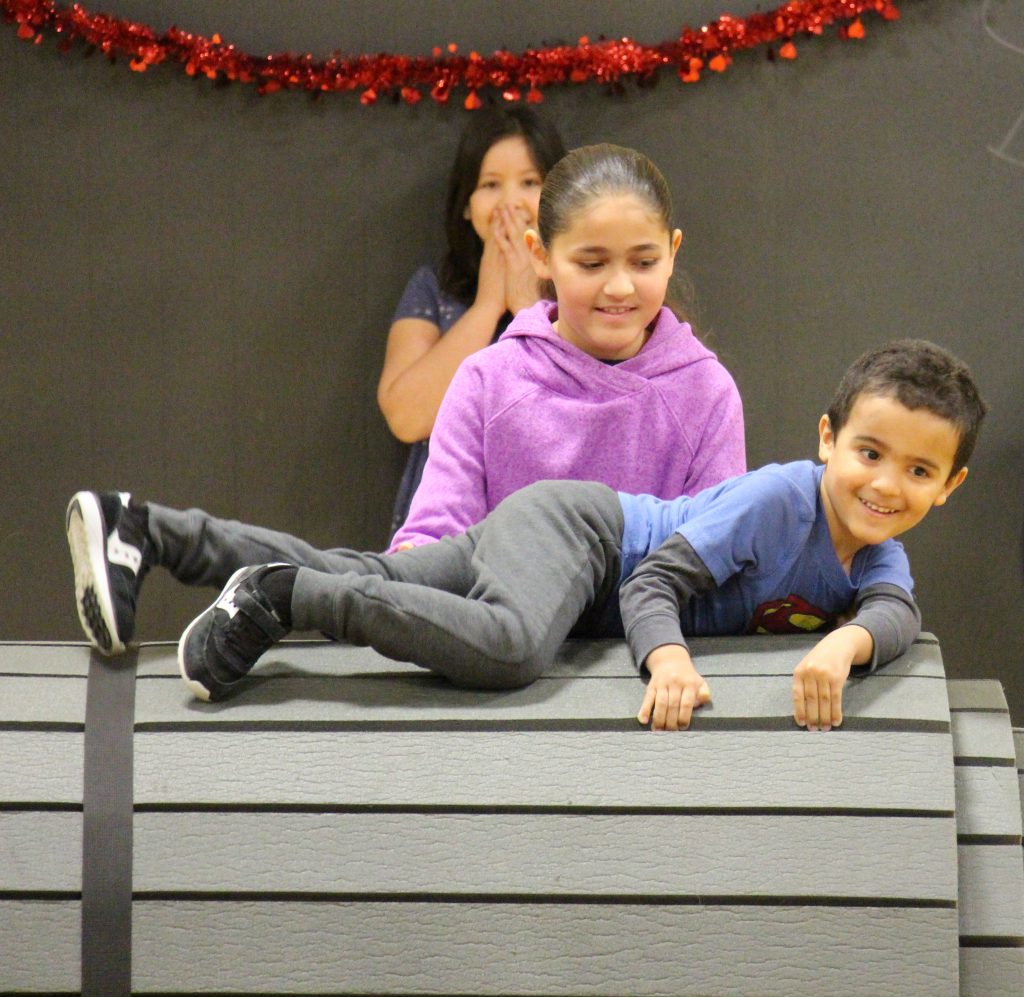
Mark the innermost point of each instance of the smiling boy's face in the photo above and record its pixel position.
(885, 469)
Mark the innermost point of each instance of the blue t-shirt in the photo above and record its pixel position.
(764, 538)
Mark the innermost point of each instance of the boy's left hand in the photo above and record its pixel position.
(819, 679)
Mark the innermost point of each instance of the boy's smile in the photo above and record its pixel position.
(884, 470)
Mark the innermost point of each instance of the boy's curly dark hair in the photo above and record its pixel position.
(919, 375)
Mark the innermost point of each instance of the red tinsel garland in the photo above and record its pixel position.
(608, 61)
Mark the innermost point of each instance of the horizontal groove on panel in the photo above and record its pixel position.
(991, 942)
(402, 808)
(973, 761)
(6, 895)
(988, 839)
(429, 678)
(15, 674)
(851, 724)
(513, 899)
(41, 725)
(21, 807)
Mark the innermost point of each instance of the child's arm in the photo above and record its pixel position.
(650, 601)
(420, 361)
(886, 623)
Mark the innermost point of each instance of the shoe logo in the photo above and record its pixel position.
(124, 554)
(228, 604)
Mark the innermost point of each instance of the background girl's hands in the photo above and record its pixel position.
(491, 282)
(508, 229)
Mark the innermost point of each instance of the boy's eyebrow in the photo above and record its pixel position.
(881, 445)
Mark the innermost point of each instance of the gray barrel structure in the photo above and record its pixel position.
(347, 824)
(991, 864)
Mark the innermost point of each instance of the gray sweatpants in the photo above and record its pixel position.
(486, 609)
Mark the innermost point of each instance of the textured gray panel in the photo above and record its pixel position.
(991, 972)
(987, 800)
(991, 891)
(42, 698)
(40, 850)
(755, 655)
(976, 694)
(40, 945)
(44, 658)
(981, 736)
(426, 698)
(694, 769)
(544, 949)
(41, 766)
(545, 854)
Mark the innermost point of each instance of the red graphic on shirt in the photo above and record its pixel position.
(791, 615)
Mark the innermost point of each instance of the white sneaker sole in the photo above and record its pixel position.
(93, 601)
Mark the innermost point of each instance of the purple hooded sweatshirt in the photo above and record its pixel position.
(665, 422)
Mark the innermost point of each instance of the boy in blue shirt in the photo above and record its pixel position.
(787, 548)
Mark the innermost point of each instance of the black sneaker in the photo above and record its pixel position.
(111, 552)
(220, 646)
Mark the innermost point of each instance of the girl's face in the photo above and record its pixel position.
(610, 269)
(508, 176)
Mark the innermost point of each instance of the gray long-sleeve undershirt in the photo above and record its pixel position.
(651, 601)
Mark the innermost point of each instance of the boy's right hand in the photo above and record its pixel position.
(674, 691)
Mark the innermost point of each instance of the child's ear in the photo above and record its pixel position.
(955, 481)
(538, 254)
(676, 241)
(826, 439)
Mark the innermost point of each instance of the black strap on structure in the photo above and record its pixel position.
(107, 799)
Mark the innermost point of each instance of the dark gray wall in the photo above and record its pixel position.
(197, 282)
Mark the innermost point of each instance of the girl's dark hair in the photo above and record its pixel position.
(460, 267)
(919, 375)
(596, 171)
(599, 171)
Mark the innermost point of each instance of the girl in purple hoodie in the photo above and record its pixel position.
(603, 384)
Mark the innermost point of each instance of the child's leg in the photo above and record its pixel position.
(487, 609)
(537, 563)
(114, 542)
(200, 549)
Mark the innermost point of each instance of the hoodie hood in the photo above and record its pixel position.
(533, 407)
(559, 366)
